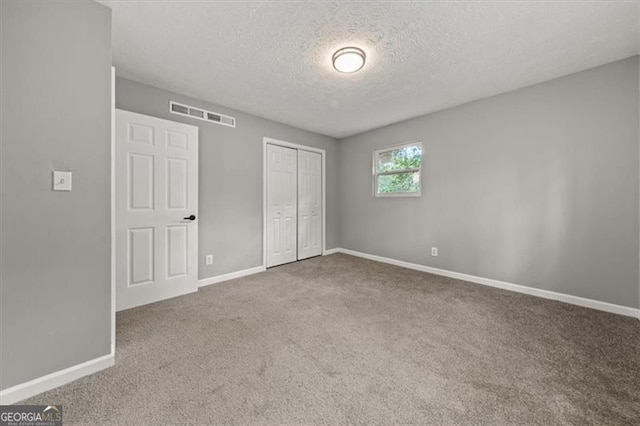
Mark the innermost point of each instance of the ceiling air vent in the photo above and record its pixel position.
(200, 114)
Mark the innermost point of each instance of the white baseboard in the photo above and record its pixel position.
(230, 276)
(331, 251)
(42, 384)
(546, 294)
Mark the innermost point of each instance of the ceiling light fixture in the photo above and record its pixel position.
(348, 59)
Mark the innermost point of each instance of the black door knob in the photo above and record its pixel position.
(192, 217)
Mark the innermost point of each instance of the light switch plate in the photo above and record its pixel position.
(61, 181)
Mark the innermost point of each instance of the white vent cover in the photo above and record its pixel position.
(201, 114)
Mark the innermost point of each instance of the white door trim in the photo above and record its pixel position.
(323, 153)
(113, 211)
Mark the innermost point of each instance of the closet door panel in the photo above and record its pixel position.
(282, 206)
(309, 204)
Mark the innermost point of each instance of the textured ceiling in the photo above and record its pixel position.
(273, 59)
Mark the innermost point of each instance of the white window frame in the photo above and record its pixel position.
(376, 174)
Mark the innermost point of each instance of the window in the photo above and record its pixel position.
(396, 170)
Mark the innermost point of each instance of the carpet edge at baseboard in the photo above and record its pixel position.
(532, 291)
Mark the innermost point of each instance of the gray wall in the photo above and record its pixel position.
(537, 187)
(230, 176)
(55, 259)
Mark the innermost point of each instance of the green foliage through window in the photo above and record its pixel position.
(398, 170)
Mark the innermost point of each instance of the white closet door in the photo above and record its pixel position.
(156, 203)
(281, 205)
(309, 204)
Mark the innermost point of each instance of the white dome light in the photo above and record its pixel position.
(348, 59)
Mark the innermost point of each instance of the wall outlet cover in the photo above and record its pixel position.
(61, 181)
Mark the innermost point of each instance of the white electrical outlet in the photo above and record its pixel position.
(208, 260)
(61, 181)
(434, 251)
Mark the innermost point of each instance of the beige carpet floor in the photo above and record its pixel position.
(342, 340)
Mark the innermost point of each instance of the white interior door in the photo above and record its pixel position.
(281, 205)
(309, 204)
(156, 194)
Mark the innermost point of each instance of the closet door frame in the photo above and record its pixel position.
(322, 152)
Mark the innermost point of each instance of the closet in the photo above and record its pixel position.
(294, 222)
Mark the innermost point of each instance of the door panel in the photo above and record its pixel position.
(281, 205)
(177, 249)
(141, 255)
(177, 183)
(140, 133)
(140, 179)
(156, 187)
(177, 140)
(309, 204)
